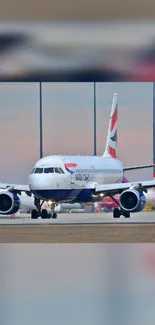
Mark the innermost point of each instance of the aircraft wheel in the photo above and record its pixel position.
(54, 215)
(34, 214)
(49, 215)
(116, 213)
(126, 214)
(44, 214)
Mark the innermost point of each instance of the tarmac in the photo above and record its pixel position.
(79, 228)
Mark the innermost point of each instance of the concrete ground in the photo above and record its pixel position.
(78, 234)
(54, 231)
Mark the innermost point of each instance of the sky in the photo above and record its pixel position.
(87, 284)
(68, 124)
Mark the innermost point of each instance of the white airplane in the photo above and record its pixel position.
(56, 179)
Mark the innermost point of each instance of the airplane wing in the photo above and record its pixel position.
(16, 188)
(138, 167)
(120, 187)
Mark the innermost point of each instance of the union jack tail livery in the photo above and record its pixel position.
(111, 145)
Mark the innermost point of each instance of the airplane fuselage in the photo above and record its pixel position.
(72, 178)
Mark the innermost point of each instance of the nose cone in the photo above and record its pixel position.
(42, 181)
(44, 186)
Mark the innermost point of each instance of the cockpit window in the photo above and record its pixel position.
(57, 170)
(61, 170)
(49, 170)
(39, 171)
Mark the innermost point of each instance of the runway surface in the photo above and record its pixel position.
(79, 228)
(81, 218)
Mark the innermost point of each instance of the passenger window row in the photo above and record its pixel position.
(48, 170)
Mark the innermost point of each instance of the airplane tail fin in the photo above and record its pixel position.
(111, 144)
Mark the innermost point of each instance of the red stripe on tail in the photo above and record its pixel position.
(114, 118)
(112, 152)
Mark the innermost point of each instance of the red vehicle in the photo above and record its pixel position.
(109, 203)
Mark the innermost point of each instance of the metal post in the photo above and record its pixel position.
(41, 121)
(153, 127)
(94, 119)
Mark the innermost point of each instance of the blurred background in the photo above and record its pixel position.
(75, 10)
(77, 284)
(100, 50)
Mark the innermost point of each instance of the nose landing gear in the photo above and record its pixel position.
(44, 214)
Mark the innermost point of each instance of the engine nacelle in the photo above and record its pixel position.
(132, 201)
(9, 203)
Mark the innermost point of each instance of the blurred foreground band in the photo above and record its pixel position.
(77, 284)
(93, 51)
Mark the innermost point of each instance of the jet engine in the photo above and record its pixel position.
(9, 203)
(132, 200)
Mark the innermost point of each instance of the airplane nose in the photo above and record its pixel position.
(38, 181)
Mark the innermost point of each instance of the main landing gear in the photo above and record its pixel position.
(44, 214)
(119, 212)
